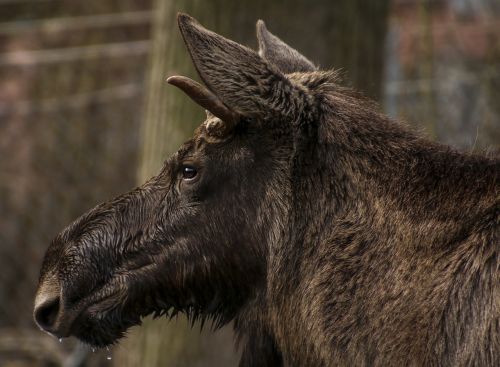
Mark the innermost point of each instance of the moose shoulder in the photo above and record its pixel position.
(329, 234)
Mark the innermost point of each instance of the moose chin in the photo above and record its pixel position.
(328, 233)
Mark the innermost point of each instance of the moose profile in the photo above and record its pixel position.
(328, 233)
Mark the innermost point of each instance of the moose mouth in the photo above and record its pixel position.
(98, 319)
(102, 328)
(97, 323)
(104, 321)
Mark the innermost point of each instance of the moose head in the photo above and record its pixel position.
(195, 238)
(329, 233)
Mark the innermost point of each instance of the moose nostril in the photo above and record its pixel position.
(46, 314)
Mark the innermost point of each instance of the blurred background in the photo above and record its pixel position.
(85, 114)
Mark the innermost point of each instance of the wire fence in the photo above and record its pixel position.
(67, 24)
(71, 91)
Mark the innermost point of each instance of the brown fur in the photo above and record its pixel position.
(330, 234)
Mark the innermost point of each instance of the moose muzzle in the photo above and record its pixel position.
(49, 312)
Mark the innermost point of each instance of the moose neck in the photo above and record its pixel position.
(365, 187)
(365, 165)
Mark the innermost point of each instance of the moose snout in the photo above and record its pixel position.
(48, 311)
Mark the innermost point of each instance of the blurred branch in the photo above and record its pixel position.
(29, 58)
(75, 101)
(73, 23)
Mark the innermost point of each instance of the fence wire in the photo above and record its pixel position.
(71, 91)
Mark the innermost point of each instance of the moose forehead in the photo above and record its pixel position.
(213, 129)
(210, 136)
(201, 138)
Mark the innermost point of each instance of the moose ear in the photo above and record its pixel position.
(277, 52)
(238, 76)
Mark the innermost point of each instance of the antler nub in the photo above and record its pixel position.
(206, 99)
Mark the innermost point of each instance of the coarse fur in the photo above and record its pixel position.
(330, 234)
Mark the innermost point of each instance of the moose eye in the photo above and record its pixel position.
(188, 172)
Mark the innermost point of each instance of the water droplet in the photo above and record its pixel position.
(60, 340)
(93, 350)
(109, 356)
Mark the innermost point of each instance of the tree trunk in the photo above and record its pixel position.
(171, 117)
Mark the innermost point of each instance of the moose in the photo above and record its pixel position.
(329, 234)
